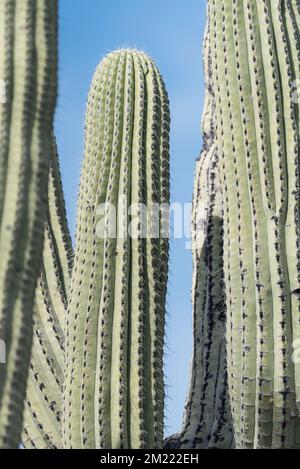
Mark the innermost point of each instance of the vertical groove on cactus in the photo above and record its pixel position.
(207, 418)
(42, 418)
(28, 31)
(113, 392)
(254, 65)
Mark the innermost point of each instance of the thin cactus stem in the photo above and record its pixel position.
(113, 392)
(28, 68)
(43, 411)
(254, 64)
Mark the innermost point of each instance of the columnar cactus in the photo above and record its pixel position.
(113, 390)
(207, 422)
(43, 411)
(255, 60)
(28, 73)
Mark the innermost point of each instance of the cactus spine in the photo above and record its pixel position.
(28, 71)
(43, 412)
(113, 392)
(255, 47)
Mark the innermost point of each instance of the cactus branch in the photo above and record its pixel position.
(28, 67)
(113, 393)
(207, 422)
(43, 412)
(254, 63)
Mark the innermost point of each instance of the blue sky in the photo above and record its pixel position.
(171, 32)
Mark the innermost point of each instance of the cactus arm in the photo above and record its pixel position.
(200, 272)
(30, 71)
(237, 325)
(42, 418)
(58, 232)
(207, 418)
(154, 126)
(120, 333)
(250, 35)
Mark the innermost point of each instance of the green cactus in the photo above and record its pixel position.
(43, 411)
(207, 421)
(96, 373)
(28, 72)
(113, 390)
(255, 60)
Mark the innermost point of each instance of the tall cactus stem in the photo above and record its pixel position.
(115, 322)
(207, 422)
(254, 45)
(28, 33)
(43, 411)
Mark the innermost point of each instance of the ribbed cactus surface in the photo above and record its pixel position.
(28, 74)
(114, 393)
(207, 422)
(255, 62)
(43, 411)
